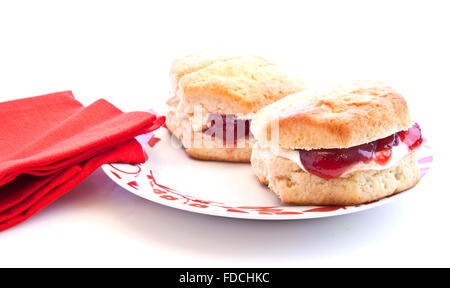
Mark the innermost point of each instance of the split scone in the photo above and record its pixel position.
(214, 97)
(344, 145)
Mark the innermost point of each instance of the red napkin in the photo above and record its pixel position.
(51, 143)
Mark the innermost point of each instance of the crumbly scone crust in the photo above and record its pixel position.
(196, 61)
(241, 155)
(229, 83)
(241, 85)
(337, 117)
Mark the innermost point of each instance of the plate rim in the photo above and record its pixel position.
(285, 211)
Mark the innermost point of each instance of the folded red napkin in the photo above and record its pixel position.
(51, 143)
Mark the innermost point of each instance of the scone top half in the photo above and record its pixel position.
(214, 84)
(229, 83)
(341, 121)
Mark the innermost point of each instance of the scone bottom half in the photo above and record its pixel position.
(221, 138)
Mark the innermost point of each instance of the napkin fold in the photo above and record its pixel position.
(51, 143)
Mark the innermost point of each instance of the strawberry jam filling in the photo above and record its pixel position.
(332, 163)
(228, 127)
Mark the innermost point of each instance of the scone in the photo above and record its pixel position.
(343, 145)
(214, 96)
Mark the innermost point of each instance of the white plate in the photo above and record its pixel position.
(171, 178)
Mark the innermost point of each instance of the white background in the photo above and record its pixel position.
(122, 50)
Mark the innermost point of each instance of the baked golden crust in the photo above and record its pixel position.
(241, 155)
(194, 62)
(241, 85)
(295, 186)
(337, 117)
(229, 83)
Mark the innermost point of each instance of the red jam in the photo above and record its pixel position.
(332, 163)
(228, 128)
(411, 137)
